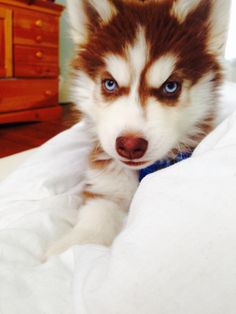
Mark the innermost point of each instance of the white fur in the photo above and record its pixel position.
(195, 108)
(119, 69)
(161, 70)
(124, 116)
(113, 182)
(77, 20)
(138, 54)
(82, 93)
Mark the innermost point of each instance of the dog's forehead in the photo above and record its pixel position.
(129, 66)
(138, 51)
(145, 33)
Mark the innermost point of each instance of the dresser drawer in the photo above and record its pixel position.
(32, 70)
(35, 29)
(35, 55)
(19, 95)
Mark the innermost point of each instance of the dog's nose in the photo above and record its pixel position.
(131, 147)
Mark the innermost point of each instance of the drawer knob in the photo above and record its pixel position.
(48, 92)
(39, 23)
(39, 39)
(39, 54)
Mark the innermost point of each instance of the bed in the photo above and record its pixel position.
(175, 255)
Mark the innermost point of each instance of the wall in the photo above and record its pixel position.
(66, 52)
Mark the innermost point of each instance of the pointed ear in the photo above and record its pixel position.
(214, 13)
(182, 8)
(219, 22)
(87, 15)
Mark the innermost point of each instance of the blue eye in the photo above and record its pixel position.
(170, 88)
(110, 85)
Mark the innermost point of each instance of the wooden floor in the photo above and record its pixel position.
(15, 138)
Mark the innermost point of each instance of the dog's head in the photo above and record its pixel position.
(146, 73)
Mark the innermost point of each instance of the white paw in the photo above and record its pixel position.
(77, 237)
(59, 247)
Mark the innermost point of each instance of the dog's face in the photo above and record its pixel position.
(147, 73)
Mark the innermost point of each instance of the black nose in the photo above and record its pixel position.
(131, 147)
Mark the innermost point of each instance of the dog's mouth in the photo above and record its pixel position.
(135, 163)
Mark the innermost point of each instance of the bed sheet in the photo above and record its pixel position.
(176, 255)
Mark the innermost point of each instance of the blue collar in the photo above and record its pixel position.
(161, 164)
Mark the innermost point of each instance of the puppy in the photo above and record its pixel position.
(146, 76)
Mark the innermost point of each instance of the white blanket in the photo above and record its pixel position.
(177, 254)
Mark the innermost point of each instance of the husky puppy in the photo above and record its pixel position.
(146, 76)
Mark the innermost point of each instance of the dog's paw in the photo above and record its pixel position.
(77, 237)
(58, 247)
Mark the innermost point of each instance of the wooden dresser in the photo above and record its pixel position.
(29, 60)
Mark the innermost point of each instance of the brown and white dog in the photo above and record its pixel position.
(146, 76)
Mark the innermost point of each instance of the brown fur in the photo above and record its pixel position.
(90, 196)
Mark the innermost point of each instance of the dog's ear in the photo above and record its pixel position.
(85, 16)
(211, 13)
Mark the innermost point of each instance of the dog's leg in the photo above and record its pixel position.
(99, 221)
(107, 196)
